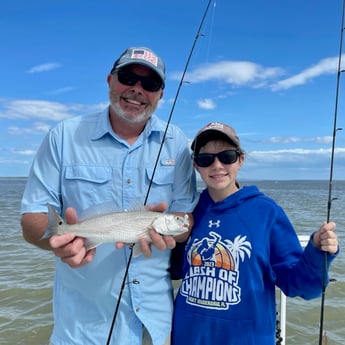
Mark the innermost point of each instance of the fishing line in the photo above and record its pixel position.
(175, 99)
(209, 27)
(330, 184)
(156, 164)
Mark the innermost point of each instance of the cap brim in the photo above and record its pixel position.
(211, 134)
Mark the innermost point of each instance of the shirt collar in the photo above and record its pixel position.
(103, 126)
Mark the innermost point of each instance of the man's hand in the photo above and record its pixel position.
(159, 241)
(70, 248)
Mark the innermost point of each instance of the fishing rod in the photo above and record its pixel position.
(330, 184)
(156, 164)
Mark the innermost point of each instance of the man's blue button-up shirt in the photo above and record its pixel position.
(82, 163)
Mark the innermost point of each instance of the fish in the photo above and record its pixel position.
(127, 226)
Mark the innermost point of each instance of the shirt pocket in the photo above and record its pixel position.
(89, 185)
(162, 183)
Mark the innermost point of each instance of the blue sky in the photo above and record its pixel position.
(266, 67)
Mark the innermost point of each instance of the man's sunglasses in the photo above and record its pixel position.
(204, 160)
(129, 78)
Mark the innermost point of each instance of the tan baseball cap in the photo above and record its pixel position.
(214, 131)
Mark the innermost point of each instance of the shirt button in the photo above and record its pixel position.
(129, 181)
(137, 309)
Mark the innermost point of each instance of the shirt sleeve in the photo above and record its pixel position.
(39, 189)
(184, 188)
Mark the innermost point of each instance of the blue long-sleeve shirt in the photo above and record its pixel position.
(82, 163)
(239, 250)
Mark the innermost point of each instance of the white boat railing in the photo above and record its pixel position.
(304, 241)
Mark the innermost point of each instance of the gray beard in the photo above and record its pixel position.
(142, 117)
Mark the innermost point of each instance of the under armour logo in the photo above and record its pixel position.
(212, 224)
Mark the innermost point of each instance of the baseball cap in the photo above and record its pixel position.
(215, 131)
(142, 56)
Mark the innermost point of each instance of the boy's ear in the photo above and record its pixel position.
(195, 166)
(241, 159)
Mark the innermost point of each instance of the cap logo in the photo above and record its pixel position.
(145, 55)
(214, 125)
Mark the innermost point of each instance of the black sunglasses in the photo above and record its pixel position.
(204, 160)
(129, 78)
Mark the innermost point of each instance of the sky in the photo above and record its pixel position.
(266, 67)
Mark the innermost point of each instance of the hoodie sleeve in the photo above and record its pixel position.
(177, 260)
(298, 273)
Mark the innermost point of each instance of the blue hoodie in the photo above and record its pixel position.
(239, 250)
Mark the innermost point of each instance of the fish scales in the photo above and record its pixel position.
(127, 227)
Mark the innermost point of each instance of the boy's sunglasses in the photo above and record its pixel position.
(204, 160)
(128, 78)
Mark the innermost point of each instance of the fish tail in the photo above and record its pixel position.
(54, 222)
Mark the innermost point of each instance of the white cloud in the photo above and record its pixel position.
(284, 140)
(293, 140)
(36, 128)
(24, 152)
(236, 73)
(324, 66)
(207, 104)
(62, 90)
(44, 110)
(44, 67)
(251, 74)
(293, 164)
(299, 155)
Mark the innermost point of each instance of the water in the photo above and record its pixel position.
(26, 273)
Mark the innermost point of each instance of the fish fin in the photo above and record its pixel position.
(136, 250)
(54, 221)
(90, 244)
(136, 205)
(109, 207)
(97, 210)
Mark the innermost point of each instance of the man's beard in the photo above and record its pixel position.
(140, 117)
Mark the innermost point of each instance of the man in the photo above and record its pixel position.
(102, 158)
